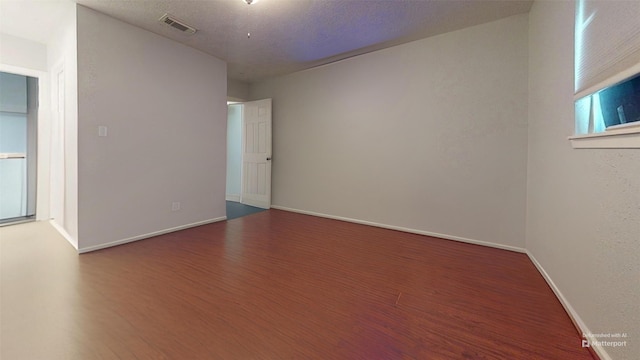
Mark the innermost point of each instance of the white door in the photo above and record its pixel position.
(256, 154)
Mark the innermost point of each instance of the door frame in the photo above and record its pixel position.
(241, 196)
(235, 197)
(43, 137)
(57, 148)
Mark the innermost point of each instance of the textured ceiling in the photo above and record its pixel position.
(291, 35)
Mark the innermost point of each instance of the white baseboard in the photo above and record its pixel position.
(573, 315)
(404, 229)
(232, 197)
(64, 233)
(146, 236)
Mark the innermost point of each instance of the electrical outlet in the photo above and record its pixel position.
(175, 206)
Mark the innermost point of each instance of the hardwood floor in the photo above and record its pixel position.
(277, 285)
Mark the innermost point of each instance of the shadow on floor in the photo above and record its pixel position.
(236, 210)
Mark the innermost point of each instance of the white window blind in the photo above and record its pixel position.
(607, 42)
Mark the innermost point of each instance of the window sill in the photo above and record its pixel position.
(624, 138)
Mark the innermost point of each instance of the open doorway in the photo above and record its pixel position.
(18, 139)
(248, 158)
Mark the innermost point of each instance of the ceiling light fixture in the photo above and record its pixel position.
(249, 2)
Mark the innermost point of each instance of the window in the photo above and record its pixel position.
(607, 74)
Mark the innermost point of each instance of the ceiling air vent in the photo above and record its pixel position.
(175, 23)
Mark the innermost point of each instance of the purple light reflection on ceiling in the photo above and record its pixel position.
(354, 32)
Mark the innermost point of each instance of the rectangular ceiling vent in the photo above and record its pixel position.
(175, 23)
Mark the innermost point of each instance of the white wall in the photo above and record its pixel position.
(583, 206)
(164, 105)
(22, 53)
(63, 149)
(429, 136)
(234, 152)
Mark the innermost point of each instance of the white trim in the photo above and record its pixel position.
(624, 126)
(64, 233)
(149, 235)
(232, 197)
(404, 229)
(622, 138)
(573, 315)
(22, 220)
(22, 71)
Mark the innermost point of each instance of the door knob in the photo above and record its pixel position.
(268, 158)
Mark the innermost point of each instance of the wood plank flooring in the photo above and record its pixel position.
(277, 285)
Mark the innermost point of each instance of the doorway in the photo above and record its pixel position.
(18, 139)
(248, 158)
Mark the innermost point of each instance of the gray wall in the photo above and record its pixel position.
(165, 108)
(237, 90)
(429, 136)
(583, 206)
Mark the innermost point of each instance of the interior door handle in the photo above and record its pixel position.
(268, 159)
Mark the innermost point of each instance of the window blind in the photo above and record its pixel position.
(607, 43)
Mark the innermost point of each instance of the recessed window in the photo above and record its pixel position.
(614, 107)
(610, 117)
(620, 104)
(607, 75)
